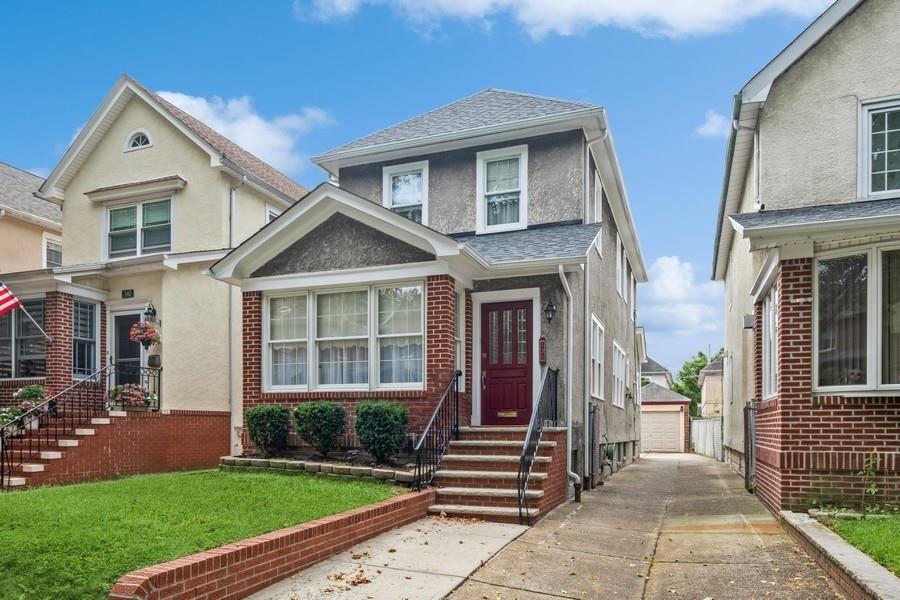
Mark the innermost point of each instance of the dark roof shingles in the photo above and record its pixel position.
(822, 213)
(544, 242)
(17, 188)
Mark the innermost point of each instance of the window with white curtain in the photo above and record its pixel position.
(330, 334)
(143, 228)
(342, 338)
(598, 351)
(501, 181)
(287, 342)
(842, 316)
(619, 376)
(84, 338)
(770, 343)
(400, 344)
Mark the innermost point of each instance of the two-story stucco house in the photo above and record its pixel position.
(807, 239)
(150, 198)
(30, 228)
(491, 236)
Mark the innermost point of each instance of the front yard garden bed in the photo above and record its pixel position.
(878, 537)
(76, 541)
(322, 466)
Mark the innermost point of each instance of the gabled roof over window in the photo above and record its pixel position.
(745, 113)
(222, 152)
(18, 200)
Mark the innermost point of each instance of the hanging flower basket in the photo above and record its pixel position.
(144, 333)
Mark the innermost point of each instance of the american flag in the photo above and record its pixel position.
(8, 300)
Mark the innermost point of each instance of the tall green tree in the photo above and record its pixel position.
(687, 382)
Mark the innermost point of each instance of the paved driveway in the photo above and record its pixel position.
(671, 526)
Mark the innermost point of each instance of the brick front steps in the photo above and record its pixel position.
(477, 478)
(120, 443)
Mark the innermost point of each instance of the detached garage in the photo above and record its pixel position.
(665, 420)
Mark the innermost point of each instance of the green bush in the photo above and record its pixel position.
(320, 423)
(381, 428)
(267, 426)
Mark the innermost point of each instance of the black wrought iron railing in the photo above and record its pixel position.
(443, 426)
(544, 415)
(38, 429)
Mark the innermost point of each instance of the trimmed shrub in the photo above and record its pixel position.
(381, 428)
(267, 426)
(320, 423)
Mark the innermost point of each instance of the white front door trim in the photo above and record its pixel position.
(479, 298)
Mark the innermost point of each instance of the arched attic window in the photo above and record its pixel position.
(137, 139)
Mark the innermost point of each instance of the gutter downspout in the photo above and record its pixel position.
(232, 195)
(569, 349)
(585, 357)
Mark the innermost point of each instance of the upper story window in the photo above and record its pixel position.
(137, 229)
(272, 213)
(598, 357)
(881, 149)
(597, 205)
(52, 252)
(137, 139)
(620, 366)
(502, 189)
(620, 265)
(405, 190)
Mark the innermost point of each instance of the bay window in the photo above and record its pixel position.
(84, 338)
(502, 196)
(857, 320)
(325, 339)
(22, 345)
(137, 229)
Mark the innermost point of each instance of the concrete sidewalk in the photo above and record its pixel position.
(424, 560)
(666, 527)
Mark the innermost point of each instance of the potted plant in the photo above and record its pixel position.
(145, 333)
(132, 395)
(9, 419)
(29, 397)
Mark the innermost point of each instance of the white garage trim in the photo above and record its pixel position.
(651, 413)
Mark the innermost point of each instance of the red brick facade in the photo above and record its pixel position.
(440, 348)
(238, 570)
(811, 447)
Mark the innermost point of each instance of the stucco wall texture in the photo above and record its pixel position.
(555, 181)
(809, 129)
(21, 245)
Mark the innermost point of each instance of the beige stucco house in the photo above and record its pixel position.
(30, 228)
(710, 381)
(150, 197)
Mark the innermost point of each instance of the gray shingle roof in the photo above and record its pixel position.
(486, 108)
(651, 366)
(232, 151)
(17, 188)
(715, 366)
(822, 213)
(567, 240)
(653, 392)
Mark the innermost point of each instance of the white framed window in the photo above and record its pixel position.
(85, 329)
(22, 345)
(880, 149)
(404, 190)
(598, 358)
(633, 297)
(501, 181)
(756, 167)
(138, 229)
(137, 139)
(770, 343)
(620, 259)
(323, 339)
(619, 375)
(52, 251)
(272, 213)
(598, 199)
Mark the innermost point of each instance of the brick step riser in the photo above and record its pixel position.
(487, 434)
(467, 500)
(491, 518)
(495, 450)
(452, 481)
(477, 465)
(16, 457)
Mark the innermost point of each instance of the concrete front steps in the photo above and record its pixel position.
(37, 468)
(478, 475)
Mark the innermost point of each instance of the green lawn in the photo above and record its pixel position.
(76, 541)
(879, 538)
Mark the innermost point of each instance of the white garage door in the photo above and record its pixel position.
(661, 431)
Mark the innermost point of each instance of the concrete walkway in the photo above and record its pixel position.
(424, 560)
(667, 527)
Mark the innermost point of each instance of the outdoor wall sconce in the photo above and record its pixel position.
(549, 310)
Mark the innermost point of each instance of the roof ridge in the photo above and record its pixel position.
(542, 97)
(21, 170)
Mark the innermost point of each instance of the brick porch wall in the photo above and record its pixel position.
(810, 448)
(440, 325)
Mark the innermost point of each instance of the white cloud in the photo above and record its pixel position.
(715, 126)
(273, 140)
(672, 18)
(679, 314)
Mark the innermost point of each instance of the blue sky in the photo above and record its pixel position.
(291, 79)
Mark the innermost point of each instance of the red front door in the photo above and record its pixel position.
(506, 367)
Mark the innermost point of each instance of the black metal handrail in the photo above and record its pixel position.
(133, 387)
(544, 414)
(37, 429)
(435, 439)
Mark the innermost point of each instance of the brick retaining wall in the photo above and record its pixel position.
(239, 569)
